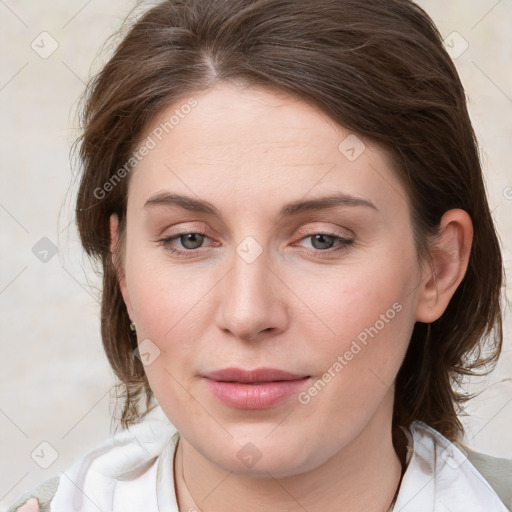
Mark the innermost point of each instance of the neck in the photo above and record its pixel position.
(362, 476)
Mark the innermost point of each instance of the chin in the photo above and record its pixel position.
(281, 457)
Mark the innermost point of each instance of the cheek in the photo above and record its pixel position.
(163, 296)
(369, 312)
(170, 310)
(351, 299)
(166, 309)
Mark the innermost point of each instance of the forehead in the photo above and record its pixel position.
(258, 145)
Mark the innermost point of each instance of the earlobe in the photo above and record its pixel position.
(116, 262)
(450, 257)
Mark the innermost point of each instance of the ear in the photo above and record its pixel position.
(114, 249)
(450, 257)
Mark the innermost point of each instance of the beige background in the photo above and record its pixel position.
(55, 381)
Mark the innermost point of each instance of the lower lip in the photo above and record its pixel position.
(254, 396)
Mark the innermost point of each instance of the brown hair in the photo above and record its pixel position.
(376, 67)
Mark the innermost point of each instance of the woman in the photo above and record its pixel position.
(288, 205)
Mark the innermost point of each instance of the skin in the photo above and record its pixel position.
(296, 307)
(32, 505)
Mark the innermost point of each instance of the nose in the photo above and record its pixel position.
(253, 302)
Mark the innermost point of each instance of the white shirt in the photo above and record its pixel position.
(133, 472)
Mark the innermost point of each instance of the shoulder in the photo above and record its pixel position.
(44, 492)
(496, 470)
(455, 465)
(121, 469)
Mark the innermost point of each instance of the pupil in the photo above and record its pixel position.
(322, 244)
(191, 238)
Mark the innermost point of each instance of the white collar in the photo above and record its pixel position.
(440, 478)
(133, 471)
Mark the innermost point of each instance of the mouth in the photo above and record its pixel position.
(253, 389)
(255, 376)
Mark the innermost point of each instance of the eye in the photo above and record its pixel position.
(327, 242)
(190, 242)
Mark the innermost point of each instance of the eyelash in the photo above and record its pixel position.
(344, 243)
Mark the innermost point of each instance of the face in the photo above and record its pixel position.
(253, 269)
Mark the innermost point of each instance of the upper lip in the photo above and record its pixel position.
(256, 375)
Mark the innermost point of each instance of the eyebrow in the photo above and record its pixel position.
(288, 210)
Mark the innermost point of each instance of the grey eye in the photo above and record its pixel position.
(324, 241)
(191, 240)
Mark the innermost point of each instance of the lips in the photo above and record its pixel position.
(253, 389)
(252, 376)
